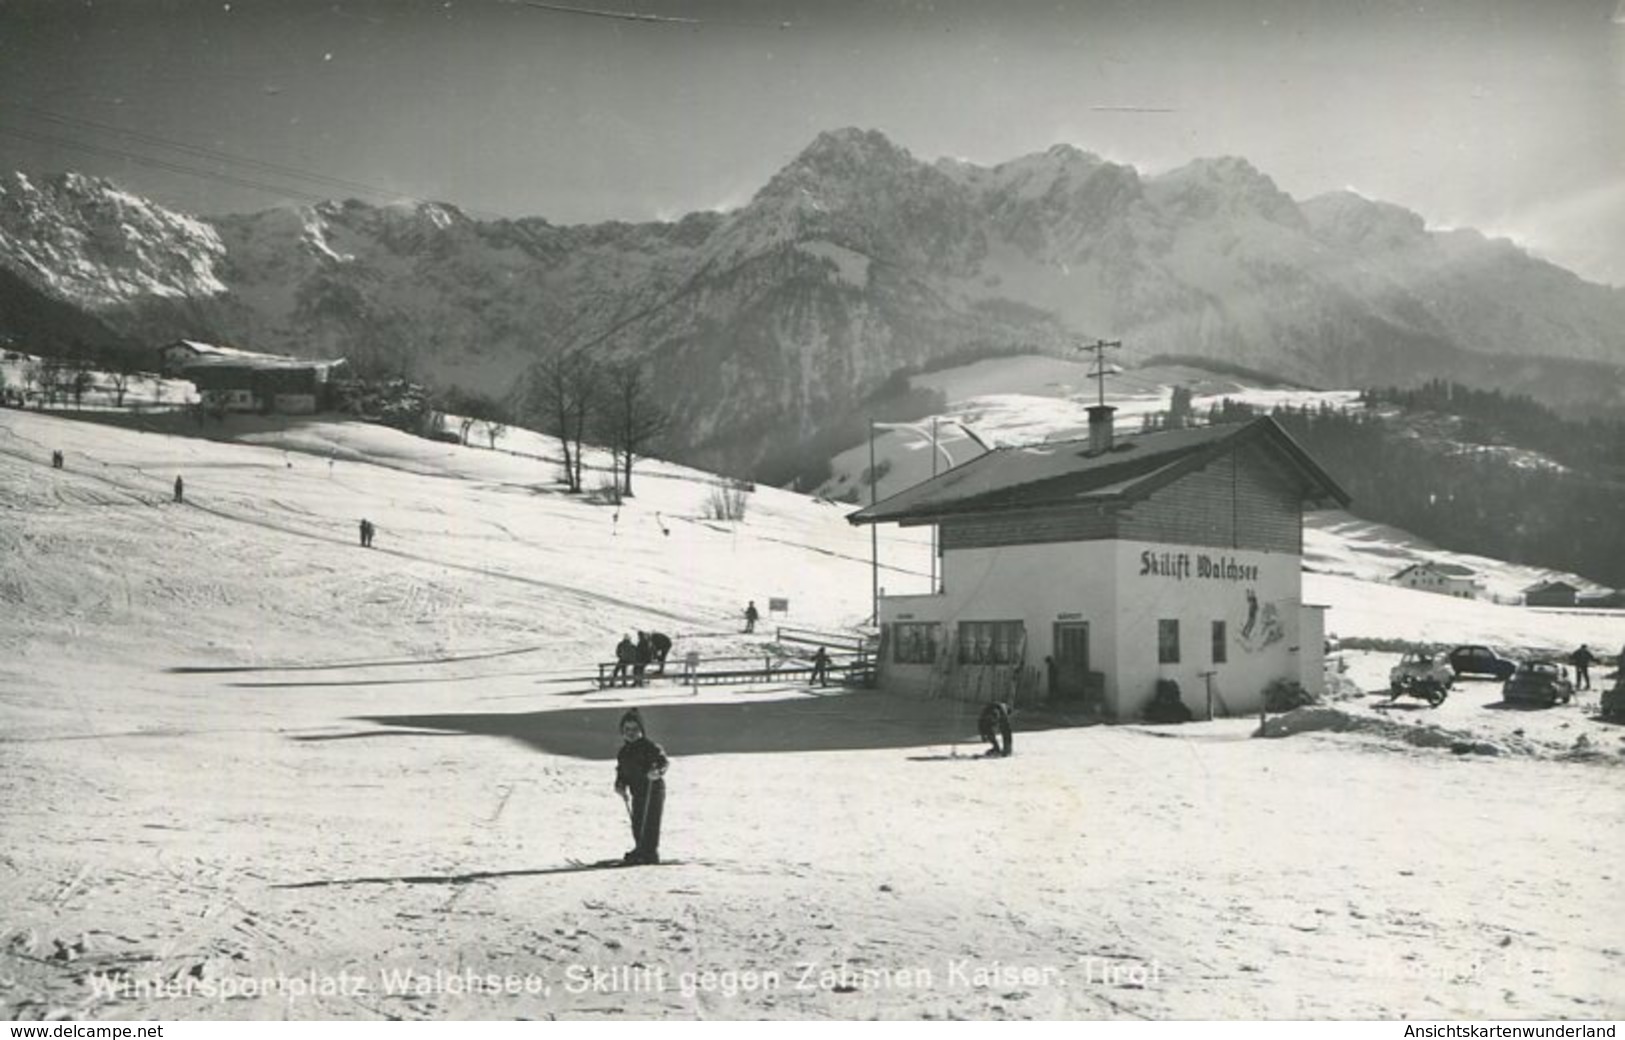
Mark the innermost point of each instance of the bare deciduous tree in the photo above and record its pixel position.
(494, 431)
(631, 420)
(119, 375)
(562, 392)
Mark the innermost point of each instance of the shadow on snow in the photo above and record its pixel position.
(847, 722)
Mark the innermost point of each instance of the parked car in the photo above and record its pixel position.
(1481, 660)
(1539, 682)
(1420, 674)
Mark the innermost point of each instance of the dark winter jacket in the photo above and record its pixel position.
(634, 763)
(625, 652)
(993, 720)
(1583, 658)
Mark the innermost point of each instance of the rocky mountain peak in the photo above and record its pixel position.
(1226, 185)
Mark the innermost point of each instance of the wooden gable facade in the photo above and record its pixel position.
(1248, 497)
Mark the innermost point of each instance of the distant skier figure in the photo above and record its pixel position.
(820, 668)
(1582, 659)
(180, 490)
(660, 647)
(625, 654)
(750, 616)
(994, 726)
(691, 665)
(56, 460)
(640, 771)
(367, 531)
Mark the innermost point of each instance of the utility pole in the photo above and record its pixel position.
(1098, 348)
(933, 526)
(874, 532)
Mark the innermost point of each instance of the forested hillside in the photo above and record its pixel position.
(1476, 471)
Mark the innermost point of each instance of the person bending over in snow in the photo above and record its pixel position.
(640, 771)
(994, 725)
(660, 647)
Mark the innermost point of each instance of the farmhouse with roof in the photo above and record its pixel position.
(1108, 565)
(1551, 593)
(233, 380)
(1447, 579)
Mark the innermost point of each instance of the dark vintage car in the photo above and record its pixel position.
(1539, 682)
(1481, 660)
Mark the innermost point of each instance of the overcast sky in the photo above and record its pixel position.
(1509, 117)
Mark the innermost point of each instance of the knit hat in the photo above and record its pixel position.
(632, 715)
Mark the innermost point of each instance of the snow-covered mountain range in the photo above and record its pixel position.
(855, 260)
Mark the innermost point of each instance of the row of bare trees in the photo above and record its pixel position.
(51, 379)
(574, 397)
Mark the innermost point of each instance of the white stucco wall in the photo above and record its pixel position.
(1256, 594)
(1122, 589)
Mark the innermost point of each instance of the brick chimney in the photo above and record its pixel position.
(1100, 428)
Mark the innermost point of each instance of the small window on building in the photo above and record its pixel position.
(991, 642)
(1220, 655)
(1167, 641)
(915, 642)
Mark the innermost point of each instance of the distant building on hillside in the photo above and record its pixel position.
(1607, 599)
(233, 380)
(1103, 569)
(1550, 594)
(1447, 579)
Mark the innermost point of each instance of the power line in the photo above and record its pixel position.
(161, 164)
(638, 16)
(251, 164)
(201, 152)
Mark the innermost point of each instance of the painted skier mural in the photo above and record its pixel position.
(1263, 627)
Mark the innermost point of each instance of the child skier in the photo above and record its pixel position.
(640, 771)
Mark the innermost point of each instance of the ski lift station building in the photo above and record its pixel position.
(1108, 564)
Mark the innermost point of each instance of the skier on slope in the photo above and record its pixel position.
(640, 771)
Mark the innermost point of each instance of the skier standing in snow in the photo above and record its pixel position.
(750, 616)
(625, 654)
(643, 655)
(640, 771)
(994, 726)
(820, 668)
(1582, 659)
(180, 490)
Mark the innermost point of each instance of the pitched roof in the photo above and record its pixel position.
(1068, 472)
(211, 355)
(1551, 585)
(1449, 570)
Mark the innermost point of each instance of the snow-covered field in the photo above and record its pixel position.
(253, 770)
